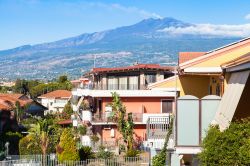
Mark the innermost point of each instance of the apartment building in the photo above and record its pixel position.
(148, 107)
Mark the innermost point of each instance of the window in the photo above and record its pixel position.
(150, 78)
(112, 83)
(167, 106)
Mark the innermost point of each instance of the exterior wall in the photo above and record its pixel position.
(225, 57)
(159, 76)
(138, 104)
(105, 134)
(195, 85)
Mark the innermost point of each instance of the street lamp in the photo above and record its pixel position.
(7, 148)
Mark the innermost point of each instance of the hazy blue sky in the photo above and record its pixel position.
(36, 21)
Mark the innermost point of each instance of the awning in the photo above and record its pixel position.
(230, 99)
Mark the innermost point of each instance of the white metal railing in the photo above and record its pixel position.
(39, 160)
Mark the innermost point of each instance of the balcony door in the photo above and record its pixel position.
(133, 83)
(112, 83)
(123, 83)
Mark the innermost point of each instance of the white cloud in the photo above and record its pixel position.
(129, 9)
(242, 30)
(247, 16)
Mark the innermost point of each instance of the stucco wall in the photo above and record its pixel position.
(139, 130)
(135, 104)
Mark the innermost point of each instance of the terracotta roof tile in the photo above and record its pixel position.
(186, 56)
(57, 94)
(8, 101)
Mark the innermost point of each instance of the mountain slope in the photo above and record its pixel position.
(141, 42)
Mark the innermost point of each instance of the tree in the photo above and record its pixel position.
(67, 111)
(40, 131)
(66, 149)
(62, 79)
(229, 147)
(18, 111)
(124, 126)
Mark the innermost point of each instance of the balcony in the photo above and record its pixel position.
(106, 118)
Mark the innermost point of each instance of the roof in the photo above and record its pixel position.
(237, 61)
(57, 94)
(186, 56)
(134, 67)
(80, 80)
(214, 53)
(65, 122)
(5, 107)
(7, 101)
(13, 95)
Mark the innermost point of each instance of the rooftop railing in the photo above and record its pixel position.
(113, 86)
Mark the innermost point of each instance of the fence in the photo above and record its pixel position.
(51, 160)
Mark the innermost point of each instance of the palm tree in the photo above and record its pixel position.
(41, 132)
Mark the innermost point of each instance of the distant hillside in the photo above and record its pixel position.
(143, 42)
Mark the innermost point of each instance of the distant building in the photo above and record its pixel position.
(7, 84)
(8, 105)
(55, 101)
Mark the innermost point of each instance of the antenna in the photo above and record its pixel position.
(94, 59)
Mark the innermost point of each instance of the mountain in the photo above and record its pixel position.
(144, 42)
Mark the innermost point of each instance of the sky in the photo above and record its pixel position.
(25, 22)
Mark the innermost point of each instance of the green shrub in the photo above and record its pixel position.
(66, 149)
(104, 154)
(95, 138)
(132, 153)
(82, 130)
(230, 147)
(2, 153)
(85, 152)
(29, 146)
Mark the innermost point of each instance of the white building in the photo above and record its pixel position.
(55, 100)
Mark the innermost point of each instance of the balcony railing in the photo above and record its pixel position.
(113, 87)
(106, 117)
(157, 127)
